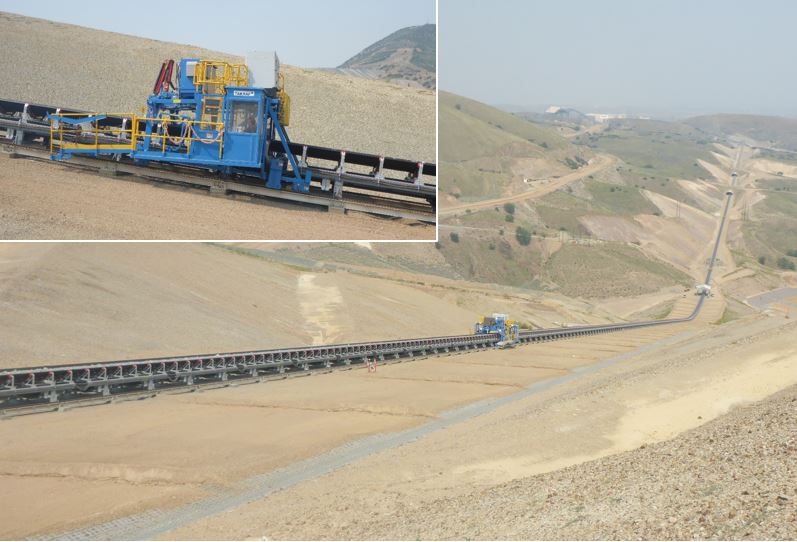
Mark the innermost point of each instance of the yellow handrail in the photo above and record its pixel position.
(217, 73)
(76, 130)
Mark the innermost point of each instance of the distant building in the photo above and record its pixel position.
(603, 117)
(553, 109)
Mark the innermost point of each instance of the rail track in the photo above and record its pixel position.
(341, 180)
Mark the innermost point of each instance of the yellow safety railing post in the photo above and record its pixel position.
(165, 127)
(133, 132)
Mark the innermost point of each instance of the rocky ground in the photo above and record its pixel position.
(43, 200)
(733, 478)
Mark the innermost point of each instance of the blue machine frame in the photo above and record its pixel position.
(246, 121)
(508, 330)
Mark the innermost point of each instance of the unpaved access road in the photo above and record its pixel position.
(601, 161)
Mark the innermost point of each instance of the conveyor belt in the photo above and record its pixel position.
(53, 384)
(50, 384)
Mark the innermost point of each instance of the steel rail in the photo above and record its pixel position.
(353, 201)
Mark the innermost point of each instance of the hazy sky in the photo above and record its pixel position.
(677, 56)
(310, 33)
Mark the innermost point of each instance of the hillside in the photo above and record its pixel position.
(760, 130)
(106, 71)
(406, 55)
(561, 196)
(765, 236)
(485, 152)
(126, 300)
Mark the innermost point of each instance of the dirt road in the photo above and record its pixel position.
(601, 161)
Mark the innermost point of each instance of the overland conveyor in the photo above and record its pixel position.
(23, 388)
(333, 171)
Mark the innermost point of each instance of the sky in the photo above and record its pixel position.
(659, 57)
(308, 33)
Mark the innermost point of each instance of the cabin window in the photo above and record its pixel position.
(244, 117)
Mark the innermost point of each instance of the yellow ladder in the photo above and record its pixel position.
(211, 111)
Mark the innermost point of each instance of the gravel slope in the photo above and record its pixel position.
(733, 478)
(105, 71)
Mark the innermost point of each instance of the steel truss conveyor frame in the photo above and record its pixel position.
(24, 386)
(60, 382)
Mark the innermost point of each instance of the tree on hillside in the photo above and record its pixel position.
(454, 237)
(785, 263)
(509, 208)
(523, 236)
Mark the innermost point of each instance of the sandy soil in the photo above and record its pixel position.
(706, 194)
(672, 379)
(771, 168)
(93, 302)
(540, 309)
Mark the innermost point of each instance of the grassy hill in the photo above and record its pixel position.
(407, 54)
(773, 234)
(483, 149)
(776, 132)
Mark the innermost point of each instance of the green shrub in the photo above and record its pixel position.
(762, 260)
(785, 263)
(523, 236)
(509, 208)
(454, 237)
(509, 218)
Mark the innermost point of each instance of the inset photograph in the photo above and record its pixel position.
(113, 127)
